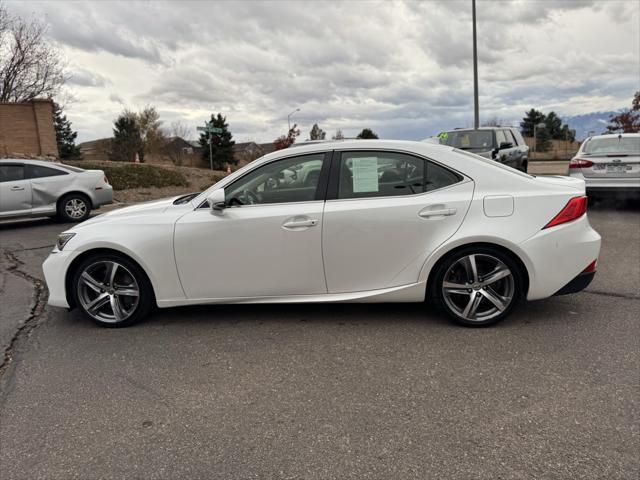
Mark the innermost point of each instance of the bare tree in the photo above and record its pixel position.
(493, 122)
(173, 147)
(30, 66)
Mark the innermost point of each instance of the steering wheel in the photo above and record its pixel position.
(249, 197)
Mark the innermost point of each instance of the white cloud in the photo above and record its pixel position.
(403, 69)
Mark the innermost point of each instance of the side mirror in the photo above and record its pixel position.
(216, 200)
(504, 145)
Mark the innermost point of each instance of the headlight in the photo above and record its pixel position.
(63, 239)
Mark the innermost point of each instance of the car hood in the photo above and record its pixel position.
(138, 210)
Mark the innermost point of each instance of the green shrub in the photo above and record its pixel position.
(123, 177)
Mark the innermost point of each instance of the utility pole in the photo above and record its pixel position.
(476, 113)
(211, 151)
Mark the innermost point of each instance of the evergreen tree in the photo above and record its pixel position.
(222, 144)
(65, 136)
(126, 140)
(367, 133)
(534, 117)
(553, 125)
(317, 133)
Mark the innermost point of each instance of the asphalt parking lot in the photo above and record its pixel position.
(323, 391)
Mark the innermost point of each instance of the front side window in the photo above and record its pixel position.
(501, 138)
(39, 171)
(11, 173)
(283, 181)
(386, 174)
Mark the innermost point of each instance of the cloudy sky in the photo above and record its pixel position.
(401, 68)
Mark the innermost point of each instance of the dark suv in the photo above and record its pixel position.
(503, 144)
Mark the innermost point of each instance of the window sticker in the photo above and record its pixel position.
(365, 174)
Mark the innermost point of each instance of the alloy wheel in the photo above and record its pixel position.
(478, 287)
(108, 291)
(75, 208)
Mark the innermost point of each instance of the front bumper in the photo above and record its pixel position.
(55, 271)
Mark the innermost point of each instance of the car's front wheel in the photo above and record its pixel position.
(112, 290)
(74, 208)
(477, 286)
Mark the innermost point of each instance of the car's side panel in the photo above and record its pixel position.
(252, 250)
(15, 198)
(373, 243)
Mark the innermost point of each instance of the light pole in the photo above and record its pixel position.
(476, 107)
(289, 117)
(535, 136)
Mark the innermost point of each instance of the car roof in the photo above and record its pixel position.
(44, 163)
(614, 135)
(479, 128)
(324, 146)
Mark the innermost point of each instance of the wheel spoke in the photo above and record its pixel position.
(127, 292)
(91, 282)
(472, 306)
(469, 263)
(116, 307)
(110, 273)
(494, 298)
(99, 302)
(457, 288)
(499, 273)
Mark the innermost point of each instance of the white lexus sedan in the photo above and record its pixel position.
(350, 221)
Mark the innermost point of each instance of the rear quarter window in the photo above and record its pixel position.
(39, 171)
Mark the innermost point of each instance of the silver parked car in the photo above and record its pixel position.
(502, 144)
(37, 188)
(609, 163)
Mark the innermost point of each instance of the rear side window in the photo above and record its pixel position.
(38, 171)
(11, 173)
(386, 174)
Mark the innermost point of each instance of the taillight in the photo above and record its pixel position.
(591, 267)
(580, 163)
(574, 209)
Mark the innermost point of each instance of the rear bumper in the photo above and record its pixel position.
(101, 197)
(578, 284)
(558, 254)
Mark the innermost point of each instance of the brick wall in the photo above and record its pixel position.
(27, 129)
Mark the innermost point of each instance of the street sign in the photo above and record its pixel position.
(209, 129)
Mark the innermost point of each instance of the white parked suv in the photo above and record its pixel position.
(609, 163)
(33, 188)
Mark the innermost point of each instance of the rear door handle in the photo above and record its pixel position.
(15, 188)
(444, 212)
(292, 224)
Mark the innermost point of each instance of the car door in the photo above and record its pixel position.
(386, 212)
(15, 190)
(266, 242)
(47, 184)
(509, 154)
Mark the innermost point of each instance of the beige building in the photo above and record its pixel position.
(26, 129)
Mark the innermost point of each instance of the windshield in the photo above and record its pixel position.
(628, 145)
(473, 140)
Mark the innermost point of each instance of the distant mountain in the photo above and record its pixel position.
(590, 122)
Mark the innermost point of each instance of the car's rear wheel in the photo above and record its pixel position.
(477, 286)
(112, 290)
(74, 208)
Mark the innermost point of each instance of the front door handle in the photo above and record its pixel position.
(294, 224)
(15, 188)
(444, 212)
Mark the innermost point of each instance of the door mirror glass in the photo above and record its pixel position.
(216, 200)
(505, 145)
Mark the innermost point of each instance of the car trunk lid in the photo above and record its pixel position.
(611, 165)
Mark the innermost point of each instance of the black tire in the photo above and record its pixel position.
(74, 207)
(128, 270)
(448, 265)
